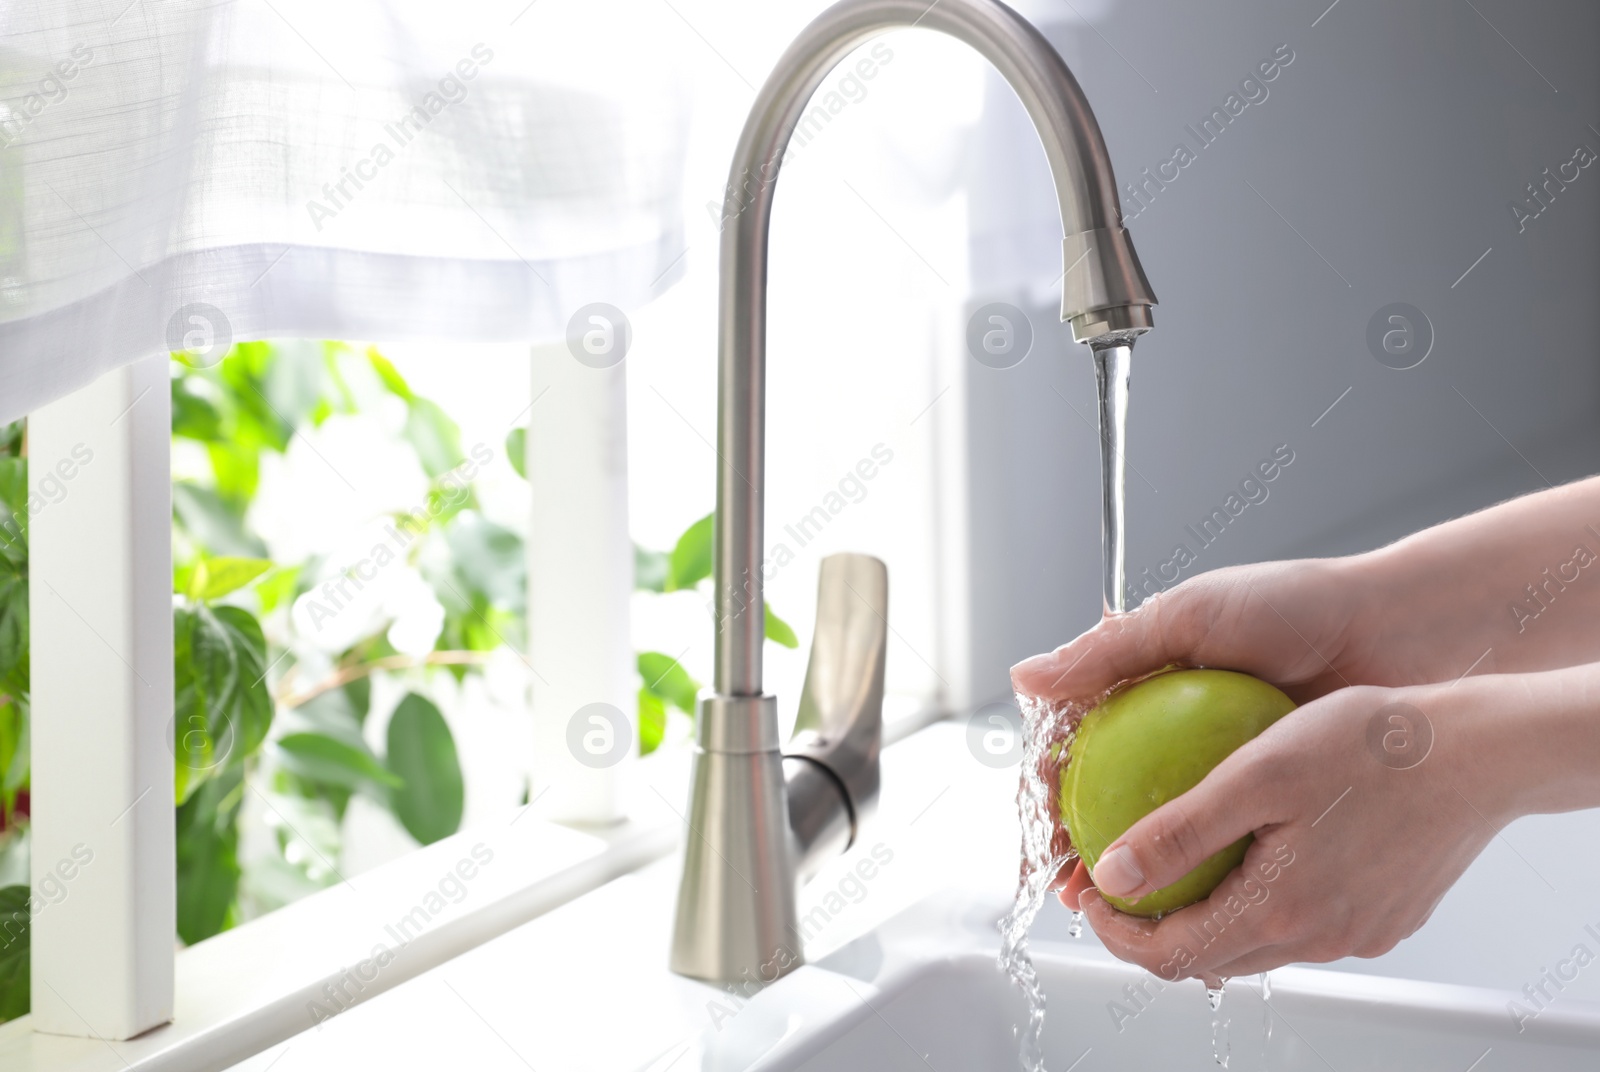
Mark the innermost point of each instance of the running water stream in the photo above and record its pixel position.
(1048, 727)
(1113, 370)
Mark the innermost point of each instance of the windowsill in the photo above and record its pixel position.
(268, 980)
(260, 983)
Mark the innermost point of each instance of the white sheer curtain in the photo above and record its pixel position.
(190, 171)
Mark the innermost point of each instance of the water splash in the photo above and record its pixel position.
(1221, 1049)
(1046, 740)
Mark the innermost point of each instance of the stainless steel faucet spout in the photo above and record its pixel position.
(749, 836)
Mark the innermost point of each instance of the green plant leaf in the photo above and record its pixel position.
(652, 721)
(253, 422)
(213, 578)
(666, 677)
(317, 757)
(428, 428)
(422, 754)
(339, 398)
(208, 857)
(778, 630)
(15, 939)
(252, 699)
(15, 735)
(491, 559)
(193, 415)
(334, 713)
(13, 629)
(446, 500)
(691, 558)
(222, 710)
(277, 588)
(293, 381)
(359, 695)
(205, 679)
(236, 468)
(14, 497)
(517, 450)
(12, 437)
(435, 437)
(389, 375)
(651, 569)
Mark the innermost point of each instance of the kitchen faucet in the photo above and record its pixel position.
(761, 819)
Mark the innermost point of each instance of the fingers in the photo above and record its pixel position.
(1233, 931)
(1230, 802)
(1077, 882)
(1166, 629)
(1282, 622)
(1267, 958)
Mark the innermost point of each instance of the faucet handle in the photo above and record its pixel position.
(831, 764)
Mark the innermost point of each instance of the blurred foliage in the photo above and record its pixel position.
(299, 758)
(249, 732)
(14, 920)
(236, 744)
(13, 626)
(666, 684)
(14, 925)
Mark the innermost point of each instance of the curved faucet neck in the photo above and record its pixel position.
(1104, 291)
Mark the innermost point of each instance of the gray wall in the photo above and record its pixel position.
(1393, 144)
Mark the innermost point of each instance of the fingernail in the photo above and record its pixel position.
(1117, 874)
(1087, 898)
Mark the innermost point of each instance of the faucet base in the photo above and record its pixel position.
(736, 901)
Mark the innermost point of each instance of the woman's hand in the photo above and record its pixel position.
(1285, 622)
(1366, 806)
(1294, 624)
(1355, 844)
(1514, 588)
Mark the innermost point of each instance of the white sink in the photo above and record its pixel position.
(923, 992)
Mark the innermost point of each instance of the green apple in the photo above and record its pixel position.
(1149, 742)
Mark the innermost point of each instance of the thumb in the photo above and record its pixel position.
(1182, 834)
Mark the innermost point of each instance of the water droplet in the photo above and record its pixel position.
(1266, 1019)
(1075, 928)
(1221, 1048)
